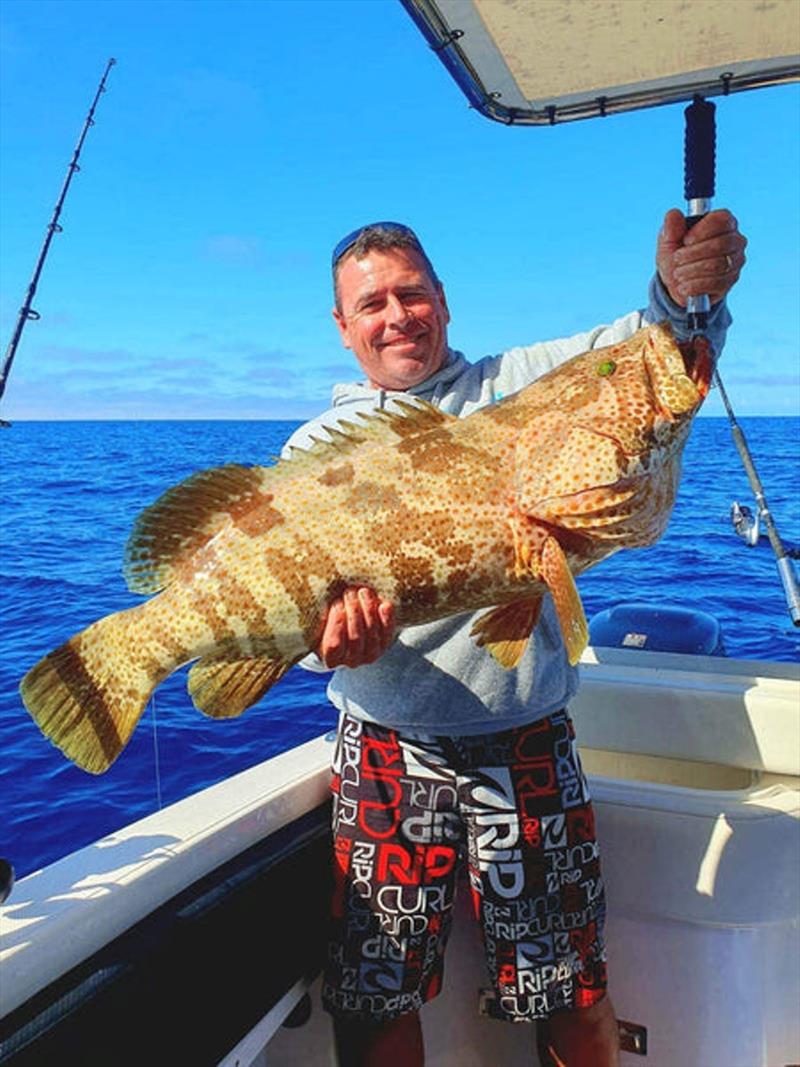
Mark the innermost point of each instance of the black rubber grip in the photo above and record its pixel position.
(699, 150)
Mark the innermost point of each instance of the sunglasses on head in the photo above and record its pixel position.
(347, 242)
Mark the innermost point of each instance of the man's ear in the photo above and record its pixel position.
(443, 300)
(341, 325)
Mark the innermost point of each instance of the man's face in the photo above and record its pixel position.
(393, 316)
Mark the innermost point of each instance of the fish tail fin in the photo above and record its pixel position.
(87, 696)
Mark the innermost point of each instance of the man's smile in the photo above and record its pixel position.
(403, 342)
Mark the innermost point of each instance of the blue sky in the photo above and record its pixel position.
(239, 140)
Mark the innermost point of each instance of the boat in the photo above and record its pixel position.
(196, 935)
(167, 942)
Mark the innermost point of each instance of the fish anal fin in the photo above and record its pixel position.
(504, 631)
(222, 686)
(569, 609)
(186, 517)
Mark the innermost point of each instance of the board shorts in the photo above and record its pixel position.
(406, 812)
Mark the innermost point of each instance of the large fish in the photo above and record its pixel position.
(438, 514)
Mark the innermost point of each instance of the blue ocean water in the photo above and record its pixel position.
(70, 494)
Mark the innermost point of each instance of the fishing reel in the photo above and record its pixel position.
(745, 523)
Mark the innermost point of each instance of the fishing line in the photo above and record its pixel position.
(781, 553)
(699, 180)
(155, 751)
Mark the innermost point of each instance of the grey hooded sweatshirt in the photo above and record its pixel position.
(434, 680)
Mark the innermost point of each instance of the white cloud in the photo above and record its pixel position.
(233, 250)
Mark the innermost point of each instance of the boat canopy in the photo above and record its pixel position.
(538, 62)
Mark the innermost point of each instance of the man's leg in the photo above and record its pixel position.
(397, 841)
(586, 1037)
(535, 872)
(394, 1044)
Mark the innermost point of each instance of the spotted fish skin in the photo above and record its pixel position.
(440, 515)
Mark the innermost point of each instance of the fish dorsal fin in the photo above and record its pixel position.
(408, 418)
(404, 419)
(185, 518)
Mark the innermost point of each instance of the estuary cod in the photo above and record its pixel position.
(440, 515)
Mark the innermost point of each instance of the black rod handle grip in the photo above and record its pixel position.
(699, 155)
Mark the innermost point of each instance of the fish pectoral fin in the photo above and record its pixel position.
(569, 609)
(596, 509)
(224, 685)
(505, 631)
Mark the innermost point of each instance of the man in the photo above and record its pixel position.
(439, 748)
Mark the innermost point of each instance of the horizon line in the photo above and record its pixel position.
(253, 418)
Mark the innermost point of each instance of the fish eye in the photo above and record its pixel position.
(608, 366)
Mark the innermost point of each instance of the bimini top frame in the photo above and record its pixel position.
(540, 62)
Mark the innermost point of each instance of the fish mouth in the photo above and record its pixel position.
(680, 374)
(698, 359)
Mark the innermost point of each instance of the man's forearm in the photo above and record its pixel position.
(662, 306)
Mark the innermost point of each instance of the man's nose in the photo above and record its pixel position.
(397, 314)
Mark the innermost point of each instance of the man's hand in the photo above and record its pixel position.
(708, 258)
(358, 629)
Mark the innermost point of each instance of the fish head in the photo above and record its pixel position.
(680, 373)
(641, 394)
(603, 457)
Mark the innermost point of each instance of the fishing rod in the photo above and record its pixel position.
(26, 312)
(699, 159)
